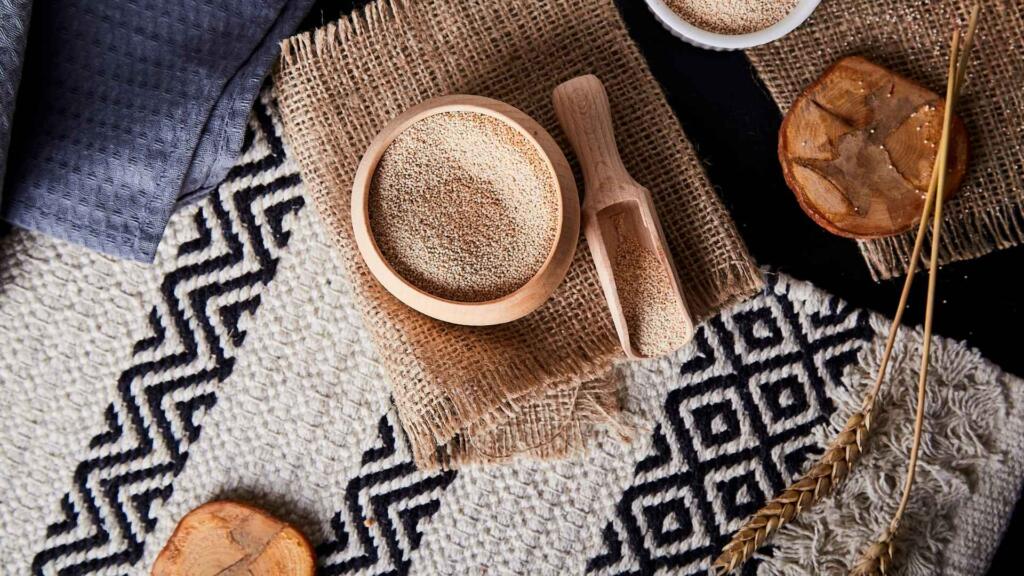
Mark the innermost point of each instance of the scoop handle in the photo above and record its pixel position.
(586, 117)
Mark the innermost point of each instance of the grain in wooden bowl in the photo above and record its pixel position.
(465, 209)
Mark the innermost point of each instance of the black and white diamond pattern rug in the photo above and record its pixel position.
(237, 367)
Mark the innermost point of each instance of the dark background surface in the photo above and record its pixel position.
(733, 122)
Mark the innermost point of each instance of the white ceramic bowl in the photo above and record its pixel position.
(704, 39)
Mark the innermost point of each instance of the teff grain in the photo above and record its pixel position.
(732, 16)
(464, 207)
(653, 314)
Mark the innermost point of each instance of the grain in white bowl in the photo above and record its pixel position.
(732, 16)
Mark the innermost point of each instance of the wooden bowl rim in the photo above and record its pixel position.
(540, 286)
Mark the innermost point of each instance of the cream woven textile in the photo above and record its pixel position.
(238, 366)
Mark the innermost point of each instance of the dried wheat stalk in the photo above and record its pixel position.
(877, 558)
(844, 449)
(841, 453)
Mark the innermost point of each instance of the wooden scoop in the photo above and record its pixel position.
(622, 226)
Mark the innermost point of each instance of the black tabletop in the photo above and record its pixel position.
(733, 123)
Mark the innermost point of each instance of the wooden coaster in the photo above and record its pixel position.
(858, 147)
(233, 539)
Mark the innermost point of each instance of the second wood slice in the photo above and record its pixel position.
(858, 147)
(233, 539)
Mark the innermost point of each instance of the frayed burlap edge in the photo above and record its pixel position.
(976, 233)
(444, 440)
(588, 409)
(327, 40)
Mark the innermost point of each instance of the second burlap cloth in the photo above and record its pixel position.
(912, 38)
(540, 385)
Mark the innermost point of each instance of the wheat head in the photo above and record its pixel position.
(816, 484)
(877, 558)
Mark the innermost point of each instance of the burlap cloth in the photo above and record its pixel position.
(913, 39)
(537, 386)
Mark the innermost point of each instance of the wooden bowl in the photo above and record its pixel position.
(514, 305)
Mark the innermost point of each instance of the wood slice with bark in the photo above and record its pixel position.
(858, 147)
(232, 539)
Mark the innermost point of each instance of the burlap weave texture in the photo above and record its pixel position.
(912, 38)
(538, 385)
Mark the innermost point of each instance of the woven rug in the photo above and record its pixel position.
(237, 367)
(912, 38)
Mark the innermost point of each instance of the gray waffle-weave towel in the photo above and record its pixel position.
(14, 18)
(127, 109)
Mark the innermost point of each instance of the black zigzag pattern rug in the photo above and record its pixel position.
(231, 258)
(734, 429)
(736, 416)
(161, 398)
(384, 504)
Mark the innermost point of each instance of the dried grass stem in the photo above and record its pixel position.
(844, 449)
